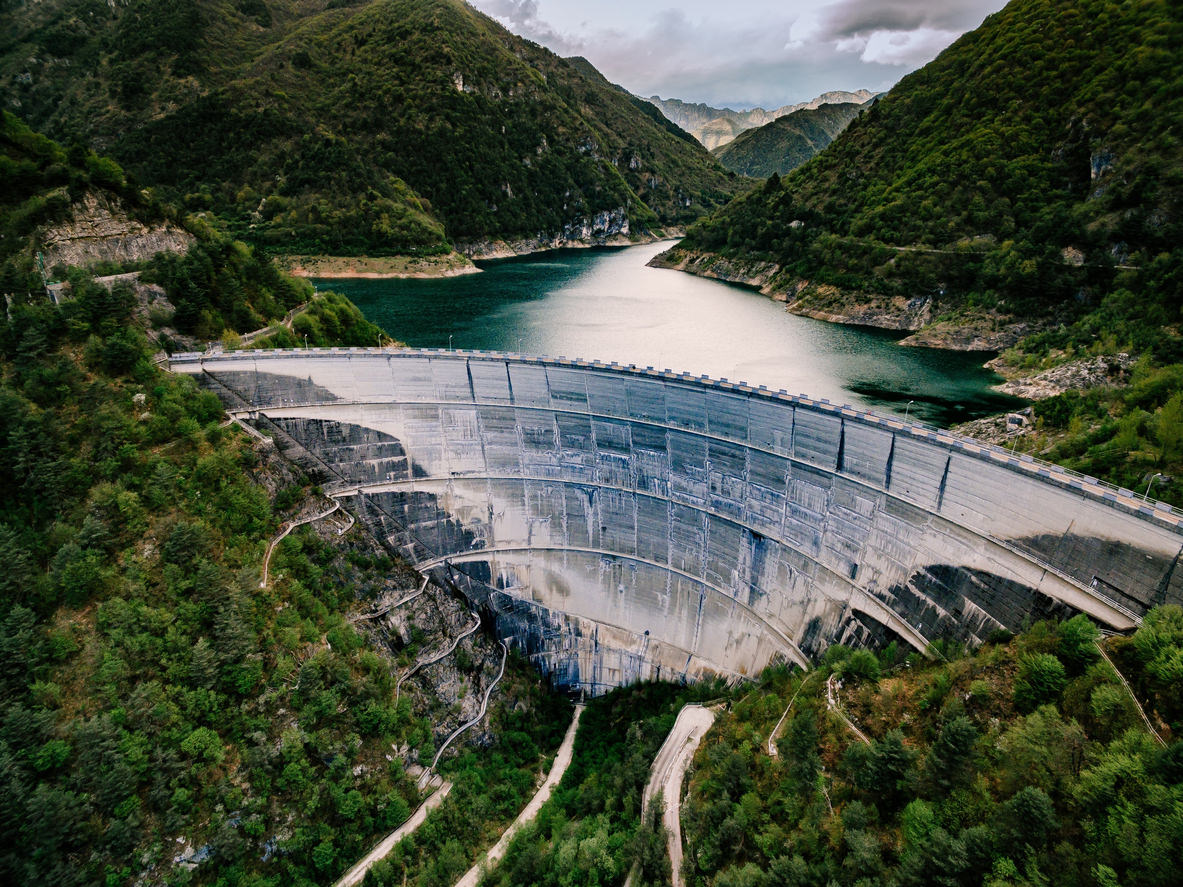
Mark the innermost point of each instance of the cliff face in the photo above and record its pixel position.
(99, 229)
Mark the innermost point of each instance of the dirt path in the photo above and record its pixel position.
(356, 874)
(834, 704)
(557, 769)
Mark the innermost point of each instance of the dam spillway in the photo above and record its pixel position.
(622, 523)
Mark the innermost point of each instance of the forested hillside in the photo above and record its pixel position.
(1025, 763)
(383, 127)
(784, 144)
(165, 717)
(1028, 165)
(1026, 185)
(715, 127)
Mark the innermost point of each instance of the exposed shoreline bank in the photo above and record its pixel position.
(985, 333)
(454, 264)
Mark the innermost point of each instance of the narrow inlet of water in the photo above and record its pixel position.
(606, 304)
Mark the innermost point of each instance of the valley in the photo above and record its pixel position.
(354, 531)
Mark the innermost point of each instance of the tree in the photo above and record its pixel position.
(950, 758)
(1077, 647)
(1042, 678)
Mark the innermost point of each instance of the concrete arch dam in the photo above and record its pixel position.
(625, 523)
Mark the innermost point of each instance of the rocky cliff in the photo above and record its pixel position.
(100, 229)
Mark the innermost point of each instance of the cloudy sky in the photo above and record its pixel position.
(744, 53)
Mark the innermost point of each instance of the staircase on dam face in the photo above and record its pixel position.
(622, 524)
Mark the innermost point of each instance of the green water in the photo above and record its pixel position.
(606, 304)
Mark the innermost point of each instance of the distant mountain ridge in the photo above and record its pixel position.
(396, 127)
(784, 144)
(715, 127)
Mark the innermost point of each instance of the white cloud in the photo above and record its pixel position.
(744, 52)
(905, 48)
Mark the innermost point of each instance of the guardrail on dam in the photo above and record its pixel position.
(626, 523)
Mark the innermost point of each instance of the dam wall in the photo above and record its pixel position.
(622, 524)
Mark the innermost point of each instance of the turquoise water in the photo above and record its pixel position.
(606, 304)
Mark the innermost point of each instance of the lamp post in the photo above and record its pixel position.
(306, 340)
(908, 409)
(1153, 478)
(449, 343)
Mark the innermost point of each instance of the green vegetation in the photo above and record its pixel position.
(787, 142)
(590, 831)
(369, 128)
(151, 689)
(1049, 127)
(977, 773)
(1031, 172)
(42, 180)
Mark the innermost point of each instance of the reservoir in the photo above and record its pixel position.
(605, 304)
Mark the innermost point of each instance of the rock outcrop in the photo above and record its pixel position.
(1077, 375)
(100, 229)
(608, 228)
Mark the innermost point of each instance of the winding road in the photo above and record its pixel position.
(558, 768)
(291, 526)
(357, 874)
(432, 660)
(669, 768)
(484, 708)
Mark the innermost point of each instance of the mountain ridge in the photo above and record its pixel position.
(397, 127)
(715, 127)
(787, 142)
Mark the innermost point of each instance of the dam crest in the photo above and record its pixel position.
(623, 523)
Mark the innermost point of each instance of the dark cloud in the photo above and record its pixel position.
(860, 18)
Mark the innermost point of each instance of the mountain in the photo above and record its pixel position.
(1023, 189)
(164, 717)
(1020, 173)
(381, 127)
(787, 142)
(715, 127)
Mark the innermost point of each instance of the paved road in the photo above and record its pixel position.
(558, 768)
(356, 874)
(669, 767)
